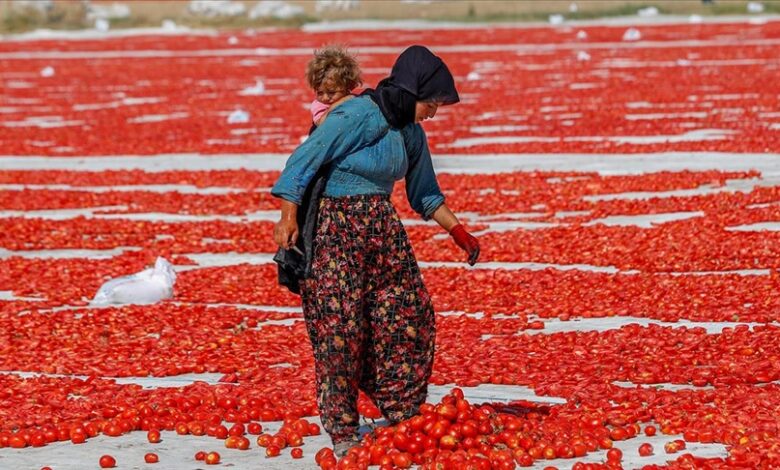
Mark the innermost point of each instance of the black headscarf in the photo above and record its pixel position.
(417, 75)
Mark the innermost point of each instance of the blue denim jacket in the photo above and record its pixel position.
(367, 156)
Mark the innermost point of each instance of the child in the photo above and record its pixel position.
(333, 73)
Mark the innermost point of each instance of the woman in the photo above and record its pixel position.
(368, 314)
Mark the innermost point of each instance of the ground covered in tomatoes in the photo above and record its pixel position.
(624, 312)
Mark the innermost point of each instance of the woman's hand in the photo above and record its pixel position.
(286, 233)
(286, 230)
(467, 242)
(447, 220)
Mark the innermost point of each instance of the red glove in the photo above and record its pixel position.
(467, 242)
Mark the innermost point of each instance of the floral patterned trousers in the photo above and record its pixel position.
(368, 314)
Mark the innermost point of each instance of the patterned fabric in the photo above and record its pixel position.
(368, 314)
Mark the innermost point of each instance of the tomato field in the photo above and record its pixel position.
(626, 195)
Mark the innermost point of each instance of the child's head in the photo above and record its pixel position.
(333, 73)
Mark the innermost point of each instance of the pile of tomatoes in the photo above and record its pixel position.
(457, 434)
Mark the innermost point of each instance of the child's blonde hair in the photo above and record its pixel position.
(336, 64)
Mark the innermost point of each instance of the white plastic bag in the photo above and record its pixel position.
(146, 287)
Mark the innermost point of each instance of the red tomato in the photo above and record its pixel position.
(221, 432)
(447, 411)
(646, 449)
(151, 458)
(16, 441)
(236, 430)
(106, 461)
(279, 441)
(37, 440)
(153, 436)
(212, 458)
(113, 430)
(254, 428)
(402, 460)
(322, 453)
(618, 434)
(614, 455)
(200, 455)
(272, 451)
(231, 442)
(264, 440)
(400, 440)
(294, 439)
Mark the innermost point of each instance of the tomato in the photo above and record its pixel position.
(322, 453)
(414, 447)
(525, 460)
(671, 447)
(650, 430)
(107, 461)
(279, 441)
(200, 455)
(645, 450)
(153, 436)
(112, 429)
(448, 442)
(212, 458)
(231, 442)
(376, 452)
(294, 439)
(439, 429)
(448, 412)
(402, 460)
(400, 440)
(221, 432)
(37, 440)
(196, 429)
(151, 458)
(614, 454)
(242, 443)
(272, 451)
(236, 430)
(16, 441)
(580, 450)
(254, 428)
(618, 434)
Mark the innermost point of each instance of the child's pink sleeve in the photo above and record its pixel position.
(318, 110)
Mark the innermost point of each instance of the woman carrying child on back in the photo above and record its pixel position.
(368, 314)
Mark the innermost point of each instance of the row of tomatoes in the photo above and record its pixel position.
(506, 34)
(549, 293)
(711, 243)
(539, 194)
